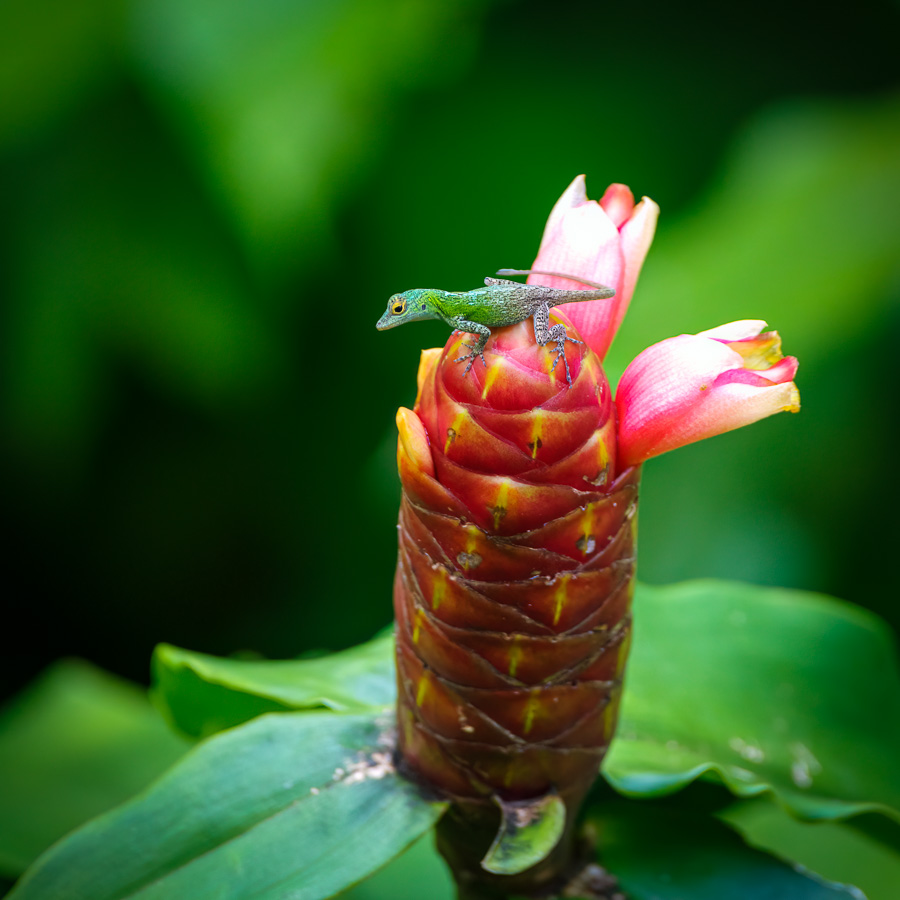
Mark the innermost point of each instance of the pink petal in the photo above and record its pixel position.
(637, 235)
(692, 387)
(725, 409)
(618, 203)
(581, 238)
(672, 371)
(574, 245)
(585, 242)
(743, 376)
(782, 371)
(742, 330)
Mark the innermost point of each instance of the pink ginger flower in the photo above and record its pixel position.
(680, 390)
(694, 386)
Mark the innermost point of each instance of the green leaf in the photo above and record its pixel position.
(203, 694)
(766, 689)
(403, 878)
(291, 805)
(662, 852)
(837, 851)
(529, 830)
(76, 743)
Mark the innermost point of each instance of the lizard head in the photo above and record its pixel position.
(407, 307)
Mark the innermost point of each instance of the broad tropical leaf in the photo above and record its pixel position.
(838, 851)
(767, 689)
(660, 852)
(203, 694)
(299, 805)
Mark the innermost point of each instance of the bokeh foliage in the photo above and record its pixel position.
(77, 743)
(205, 206)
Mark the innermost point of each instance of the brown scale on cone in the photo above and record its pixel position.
(515, 572)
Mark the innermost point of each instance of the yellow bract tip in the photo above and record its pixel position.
(414, 440)
(492, 374)
(501, 502)
(560, 595)
(536, 441)
(422, 690)
(453, 431)
(427, 361)
(531, 708)
(440, 588)
(417, 628)
(515, 655)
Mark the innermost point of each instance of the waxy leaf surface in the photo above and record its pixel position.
(766, 689)
(73, 745)
(203, 694)
(660, 852)
(292, 805)
(837, 851)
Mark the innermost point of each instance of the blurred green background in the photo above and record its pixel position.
(204, 206)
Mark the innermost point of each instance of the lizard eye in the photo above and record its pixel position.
(398, 307)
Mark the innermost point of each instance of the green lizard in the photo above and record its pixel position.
(499, 302)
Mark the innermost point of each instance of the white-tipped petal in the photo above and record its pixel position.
(573, 196)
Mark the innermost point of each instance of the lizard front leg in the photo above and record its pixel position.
(543, 334)
(477, 348)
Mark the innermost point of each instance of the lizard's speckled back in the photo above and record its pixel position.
(507, 303)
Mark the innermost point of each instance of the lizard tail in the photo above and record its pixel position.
(601, 292)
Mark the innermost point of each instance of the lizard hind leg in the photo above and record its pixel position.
(545, 334)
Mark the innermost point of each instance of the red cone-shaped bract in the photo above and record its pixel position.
(515, 571)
